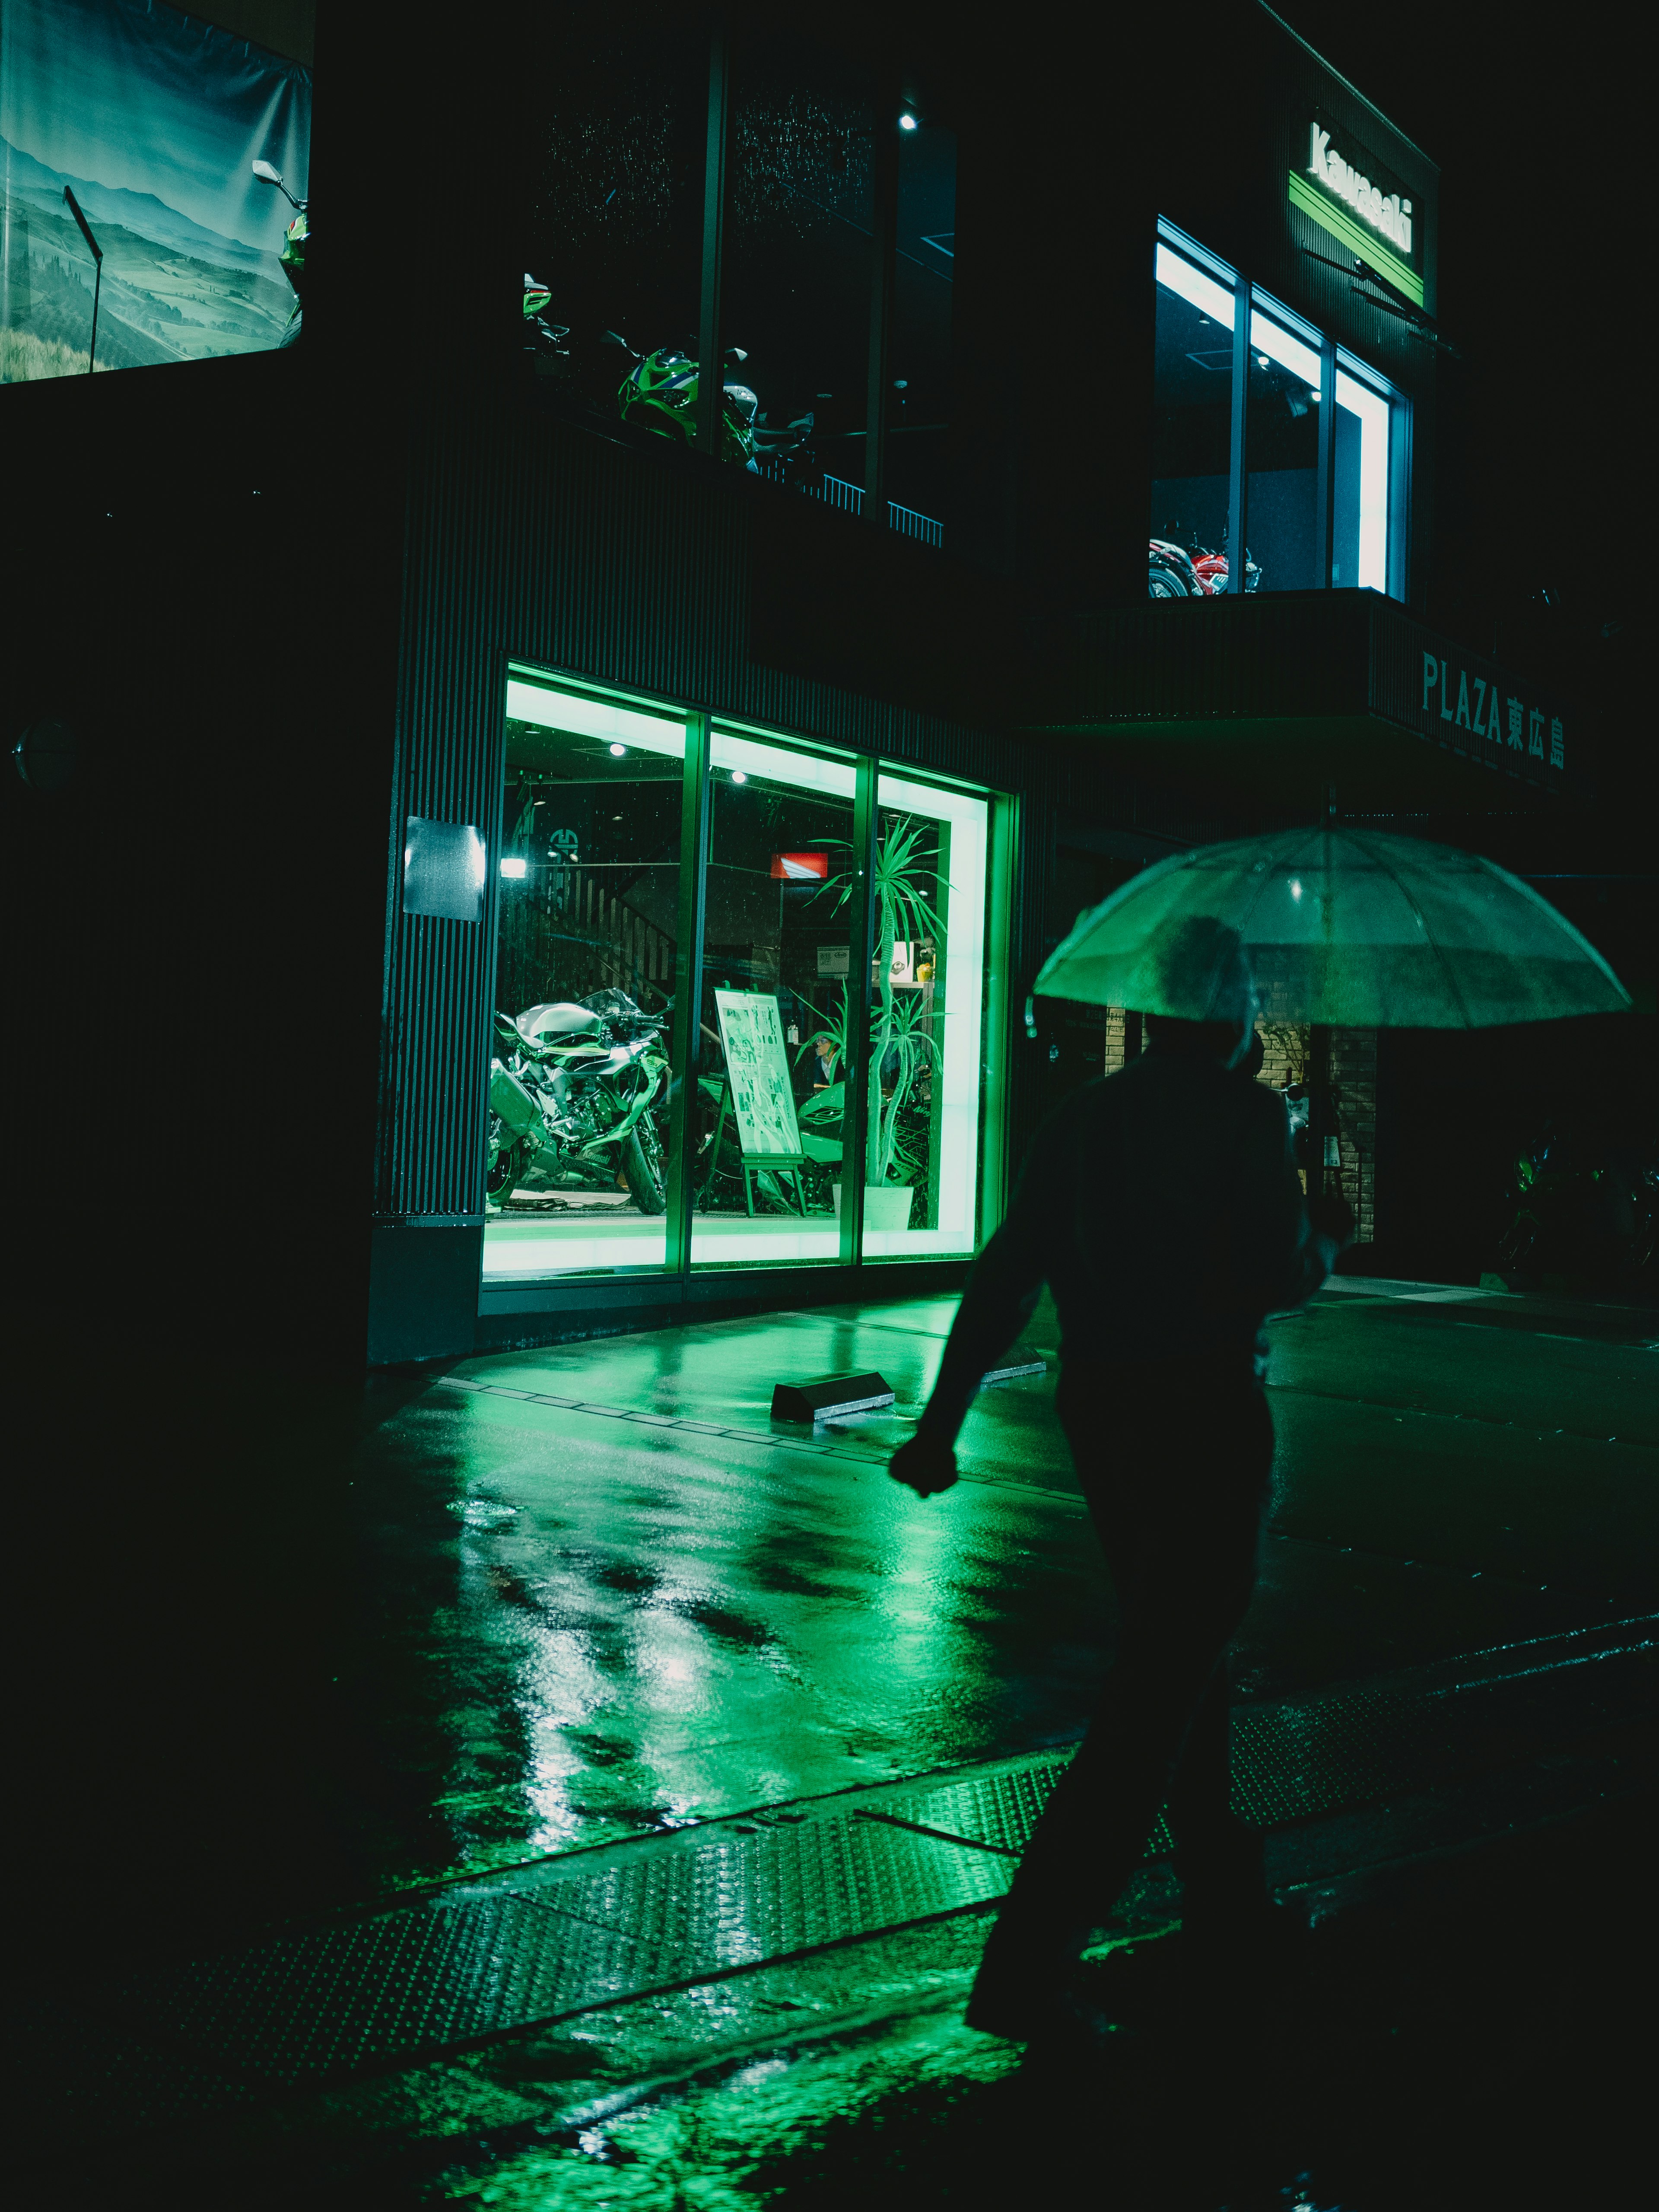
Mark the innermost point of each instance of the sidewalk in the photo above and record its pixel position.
(724, 1747)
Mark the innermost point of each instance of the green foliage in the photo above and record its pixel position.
(901, 1042)
(25, 359)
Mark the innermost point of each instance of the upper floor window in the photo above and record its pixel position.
(1250, 457)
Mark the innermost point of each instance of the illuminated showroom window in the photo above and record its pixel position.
(577, 1142)
(927, 1021)
(1193, 421)
(774, 973)
(578, 1167)
(779, 1000)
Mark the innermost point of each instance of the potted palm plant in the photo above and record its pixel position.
(901, 1046)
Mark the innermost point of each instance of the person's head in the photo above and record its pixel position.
(1206, 971)
(1225, 1042)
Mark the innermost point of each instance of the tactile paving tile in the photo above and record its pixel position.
(1296, 1759)
(1301, 1758)
(538, 1943)
(334, 2001)
(338, 1999)
(997, 1811)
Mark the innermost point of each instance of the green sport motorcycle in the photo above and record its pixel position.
(659, 393)
(572, 1086)
(296, 239)
(546, 343)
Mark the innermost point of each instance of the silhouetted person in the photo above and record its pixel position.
(1162, 1206)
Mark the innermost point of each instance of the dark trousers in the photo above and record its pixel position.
(1176, 1458)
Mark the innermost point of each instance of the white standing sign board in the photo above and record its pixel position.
(757, 1068)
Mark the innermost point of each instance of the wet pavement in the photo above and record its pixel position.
(620, 1780)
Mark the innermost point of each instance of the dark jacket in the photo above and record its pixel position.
(1162, 1206)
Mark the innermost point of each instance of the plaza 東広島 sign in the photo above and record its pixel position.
(1349, 193)
(1468, 704)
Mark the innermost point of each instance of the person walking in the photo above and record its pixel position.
(1163, 1207)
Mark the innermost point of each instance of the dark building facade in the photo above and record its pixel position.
(543, 852)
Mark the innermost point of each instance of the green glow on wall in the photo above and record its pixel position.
(1357, 240)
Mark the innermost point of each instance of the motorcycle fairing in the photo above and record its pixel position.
(559, 1018)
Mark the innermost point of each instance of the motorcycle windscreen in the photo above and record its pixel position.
(588, 905)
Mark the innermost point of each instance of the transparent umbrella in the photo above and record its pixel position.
(1347, 926)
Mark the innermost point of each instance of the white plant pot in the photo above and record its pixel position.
(886, 1205)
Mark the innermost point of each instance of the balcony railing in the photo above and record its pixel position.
(848, 498)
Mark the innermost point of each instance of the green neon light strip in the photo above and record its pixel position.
(1357, 241)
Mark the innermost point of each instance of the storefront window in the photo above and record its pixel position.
(613, 238)
(798, 245)
(919, 406)
(926, 1012)
(1282, 440)
(1191, 429)
(579, 1171)
(772, 1039)
(1286, 550)
(1360, 549)
(576, 1161)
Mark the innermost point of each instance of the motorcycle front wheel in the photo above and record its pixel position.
(642, 1169)
(501, 1179)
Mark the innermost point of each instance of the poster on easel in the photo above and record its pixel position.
(758, 1070)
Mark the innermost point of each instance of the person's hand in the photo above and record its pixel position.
(926, 1467)
(1332, 1217)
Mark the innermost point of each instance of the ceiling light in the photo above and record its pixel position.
(907, 122)
(738, 776)
(616, 752)
(513, 869)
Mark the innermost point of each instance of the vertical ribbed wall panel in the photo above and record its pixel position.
(528, 538)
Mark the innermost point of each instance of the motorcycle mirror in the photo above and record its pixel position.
(610, 337)
(736, 353)
(264, 169)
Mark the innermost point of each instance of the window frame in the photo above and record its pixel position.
(1337, 361)
(703, 725)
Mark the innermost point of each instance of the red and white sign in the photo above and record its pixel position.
(800, 867)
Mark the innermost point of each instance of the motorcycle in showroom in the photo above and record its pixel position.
(572, 1086)
(1586, 1206)
(1173, 572)
(547, 345)
(659, 394)
(547, 342)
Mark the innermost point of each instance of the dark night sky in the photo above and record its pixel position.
(1532, 116)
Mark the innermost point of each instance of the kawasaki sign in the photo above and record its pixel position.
(1347, 191)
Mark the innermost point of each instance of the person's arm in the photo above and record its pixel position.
(1000, 1299)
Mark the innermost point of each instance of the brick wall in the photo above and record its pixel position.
(1116, 1020)
(1353, 1087)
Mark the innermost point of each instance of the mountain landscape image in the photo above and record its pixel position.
(153, 119)
(172, 290)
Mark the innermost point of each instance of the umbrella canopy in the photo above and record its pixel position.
(1348, 927)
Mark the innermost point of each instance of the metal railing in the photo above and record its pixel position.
(848, 498)
(568, 932)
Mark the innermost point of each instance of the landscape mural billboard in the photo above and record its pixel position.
(153, 118)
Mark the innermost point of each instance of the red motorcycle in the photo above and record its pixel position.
(1172, 573)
